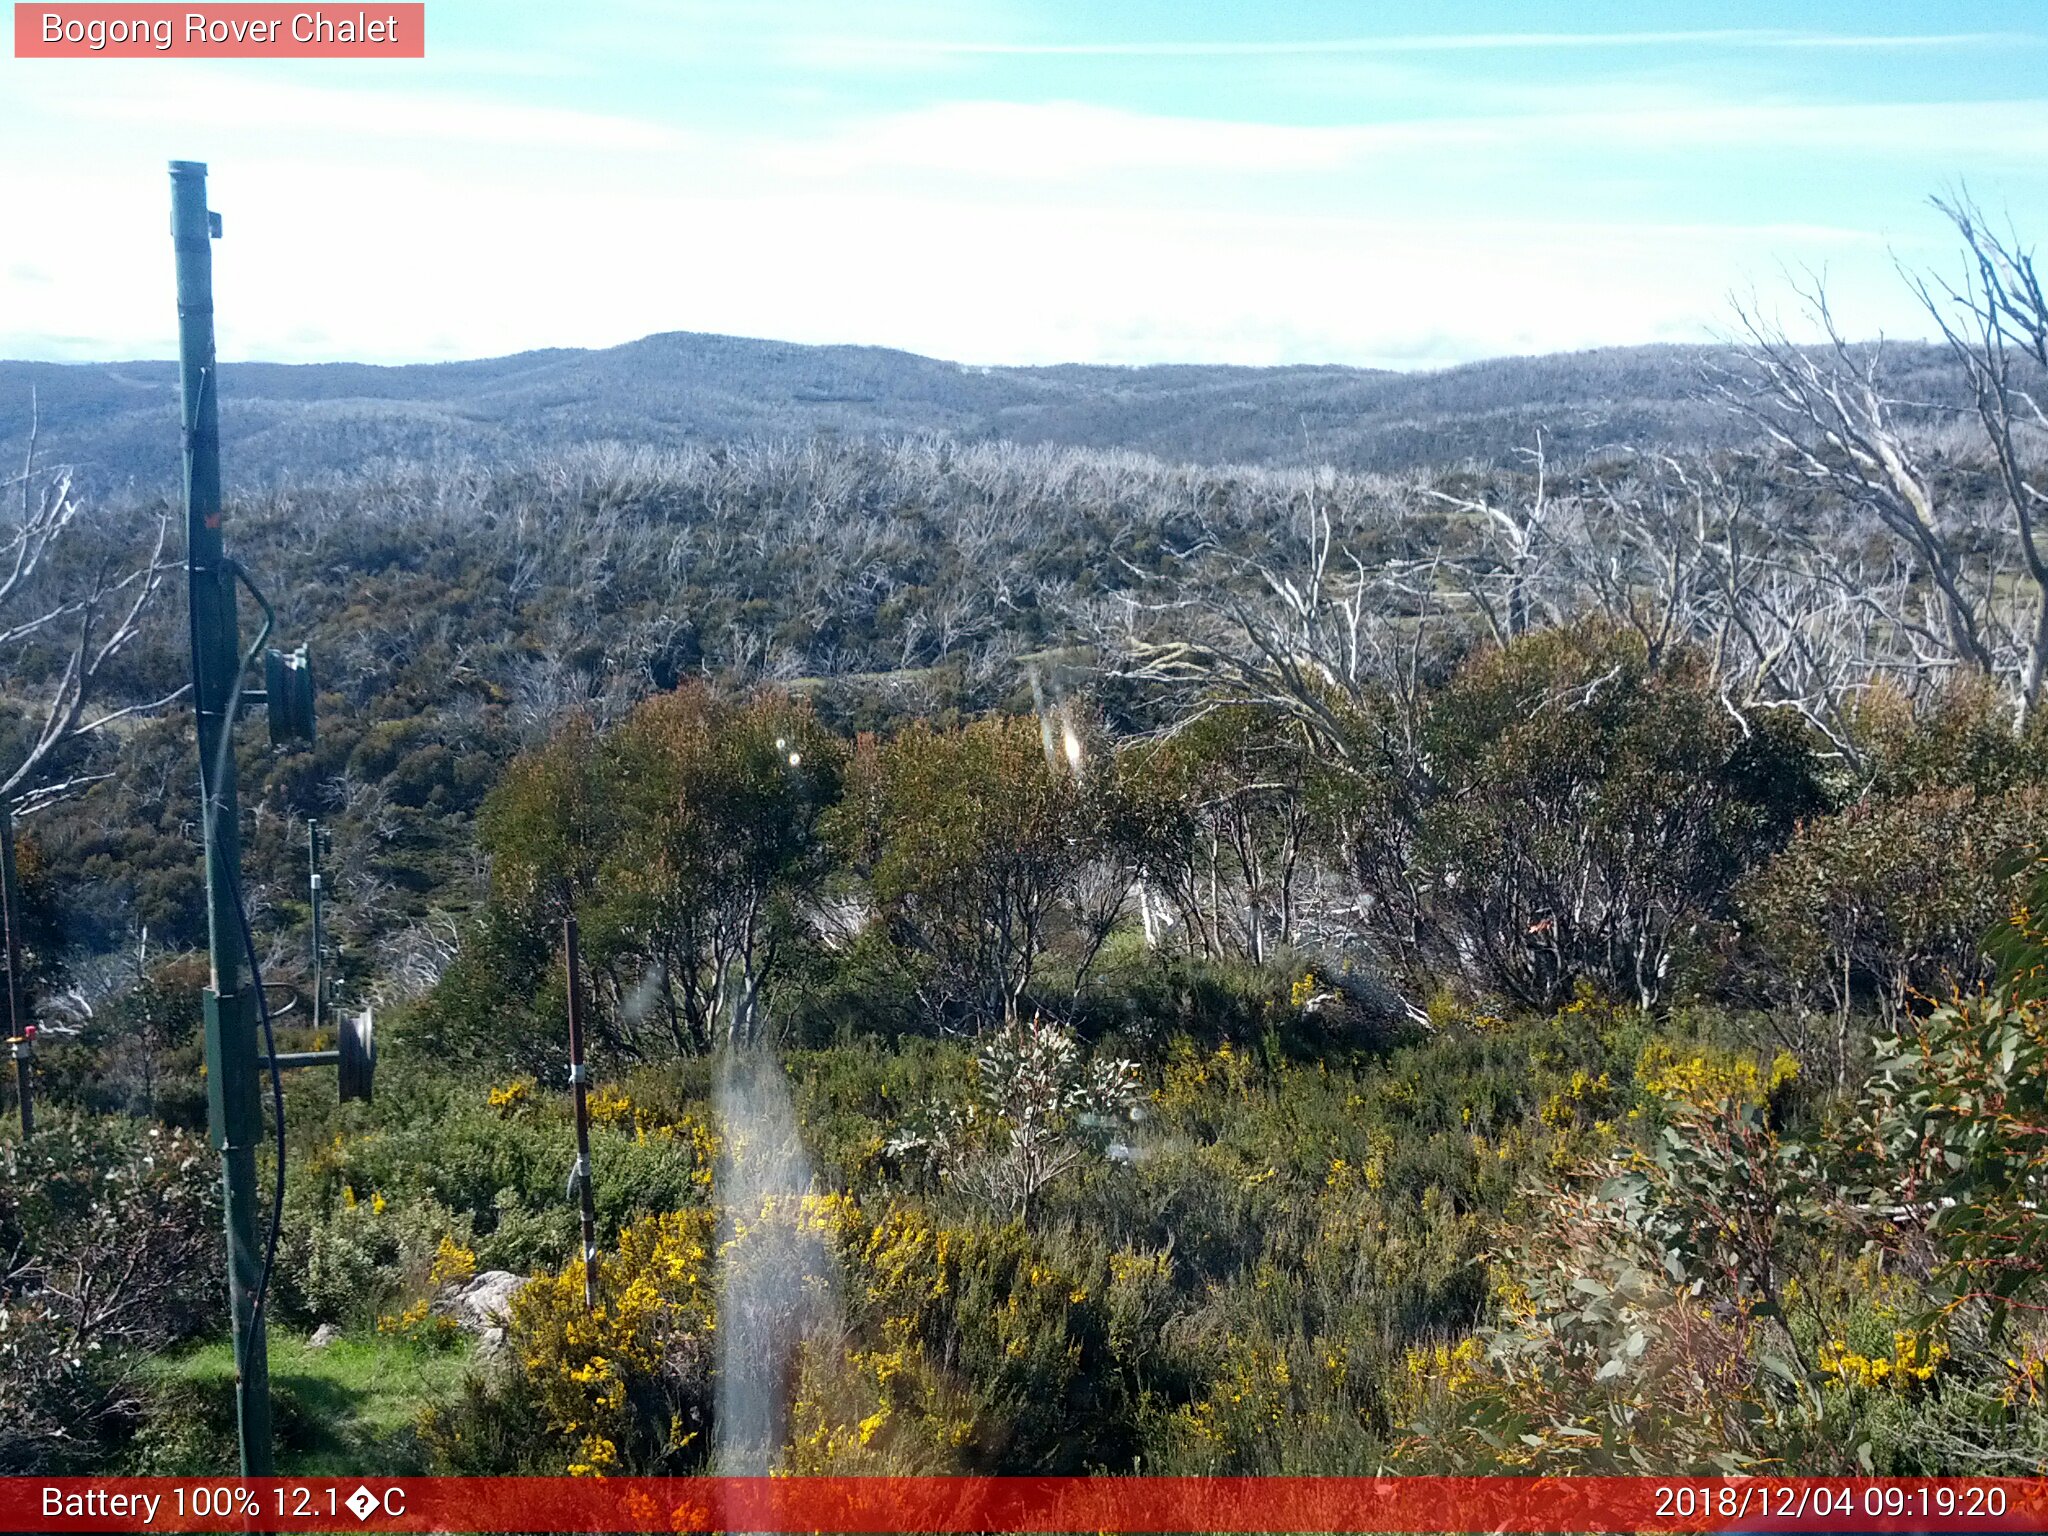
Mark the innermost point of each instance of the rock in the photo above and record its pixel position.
(323, 1336)
(1373, 1003)
(483, 1304)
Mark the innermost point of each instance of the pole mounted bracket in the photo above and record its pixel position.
(354, 1057)
(288, 691)
(358, 1049)
(287, 675)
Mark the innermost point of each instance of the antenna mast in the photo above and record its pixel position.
(233, 1100)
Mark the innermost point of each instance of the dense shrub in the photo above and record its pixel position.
(109, 1245)
(1578, 813)
(1959, 737)
(367, 1259)
(624, 1388)
(1886, 900)
(1954, 1136)
(1642, 1322)
(981, 848)
(485, 1163)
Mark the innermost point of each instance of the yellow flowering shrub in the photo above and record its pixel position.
(1706, 1075)
(598, 1375)
(860, 1411)
(419, 1324)
(1451, 1368)
(1191, 1077)
(2026, 1371)
(1286, 1403)
(1584, 1094)
(1304, 988)
(1021, 1334)
(615, 1109)
(512, 1096)
(453, 1264)
(1909, 1361)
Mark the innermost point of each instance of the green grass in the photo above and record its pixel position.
(350, 1408)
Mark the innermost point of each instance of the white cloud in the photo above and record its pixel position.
(403, 265)
(1061, 140)
(407, 223)
(1064, 140)
(195, 97)
(1438, 42)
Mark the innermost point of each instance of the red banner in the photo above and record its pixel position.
(103, 31)
(946, 1505)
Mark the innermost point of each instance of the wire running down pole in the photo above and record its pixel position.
(233, 1092)
(579, 1084)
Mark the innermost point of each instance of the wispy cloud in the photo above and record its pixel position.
(1062, 140)
(1065, 141)
(720, 165)
(222, 99)
(1442, 42)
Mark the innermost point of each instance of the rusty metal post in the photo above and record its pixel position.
(20, 1033)
(579, 1084)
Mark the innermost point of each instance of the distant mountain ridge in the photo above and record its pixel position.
(117, 422)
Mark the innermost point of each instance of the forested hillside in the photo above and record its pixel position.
(1524, 957)
(114, 421)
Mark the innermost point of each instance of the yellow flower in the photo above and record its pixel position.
(453, 1263)
(1710, 1076)
(512, 1095)
(596, 1454)
(1907, 1361)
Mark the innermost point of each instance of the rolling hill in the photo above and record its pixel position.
(117, 422)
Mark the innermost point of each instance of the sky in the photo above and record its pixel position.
(1400, 185)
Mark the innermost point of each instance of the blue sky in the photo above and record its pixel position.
(994, 181)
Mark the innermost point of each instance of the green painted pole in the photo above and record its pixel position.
(233, 1096)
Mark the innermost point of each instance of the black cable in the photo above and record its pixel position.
(277, 1105)
(234, 880)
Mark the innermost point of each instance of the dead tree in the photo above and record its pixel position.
(87, 620)
(1995, 322)
(1831, 413)
(1517, 541)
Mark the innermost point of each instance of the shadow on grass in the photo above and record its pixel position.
(351, 1408)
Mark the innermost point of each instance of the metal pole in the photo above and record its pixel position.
(319, 940)
(579, 1084)
(233, 1101)
(18, 1036)
(23, 1047)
